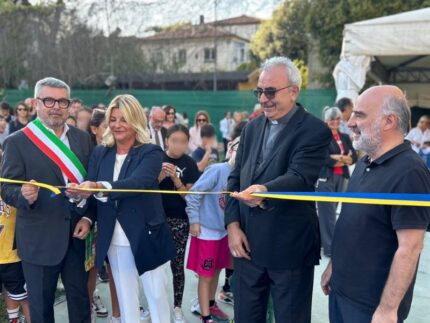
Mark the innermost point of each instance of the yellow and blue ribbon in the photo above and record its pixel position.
(399, 199)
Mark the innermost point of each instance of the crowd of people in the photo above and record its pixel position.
(266, 246)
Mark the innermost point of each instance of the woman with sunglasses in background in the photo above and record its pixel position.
(170, 118)
(202, 118)
(22, 117)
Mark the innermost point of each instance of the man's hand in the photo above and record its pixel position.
(384, 315)
(246, 197)
(30, 192)
(82, 229)
(195, 229)
(237, 241)
(325, 279)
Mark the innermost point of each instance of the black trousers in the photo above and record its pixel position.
(291, 292)
(42, 283)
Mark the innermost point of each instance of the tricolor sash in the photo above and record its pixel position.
(56, 150)
(70, 165)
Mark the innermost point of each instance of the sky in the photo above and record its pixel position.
(134, 17)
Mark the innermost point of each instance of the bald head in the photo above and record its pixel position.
(156, 118)
(387, 100)
(380, 120)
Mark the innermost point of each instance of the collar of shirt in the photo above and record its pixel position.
(286, 118)
(389, 154)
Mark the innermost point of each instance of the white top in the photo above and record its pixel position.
(119, 238)
(417, 135)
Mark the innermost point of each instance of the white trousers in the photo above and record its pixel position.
(126, 280)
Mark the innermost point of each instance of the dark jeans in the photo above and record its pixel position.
(291, 292)
(343, 311)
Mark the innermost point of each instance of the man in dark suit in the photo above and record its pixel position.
(158, 132)
(49, 233)
(276, 243)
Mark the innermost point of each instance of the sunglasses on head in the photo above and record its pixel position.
(269, 92)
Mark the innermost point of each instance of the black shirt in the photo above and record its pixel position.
(187, 171)
(365, 240)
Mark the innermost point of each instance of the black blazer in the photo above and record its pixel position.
(140, 215)
(334, 149)
(44, 229)
(285, 235)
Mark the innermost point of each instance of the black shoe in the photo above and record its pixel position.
(103, 276)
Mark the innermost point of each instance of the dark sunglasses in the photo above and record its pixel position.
(50, 102)
(21, 109)
(269, 92)
(170, 113)
(202, 120)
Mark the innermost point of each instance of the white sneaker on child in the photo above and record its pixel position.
(178, 315)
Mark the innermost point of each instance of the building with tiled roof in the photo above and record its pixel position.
(220, 45)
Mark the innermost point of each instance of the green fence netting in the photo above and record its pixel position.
(216, 103)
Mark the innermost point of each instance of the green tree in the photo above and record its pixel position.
(284, 34)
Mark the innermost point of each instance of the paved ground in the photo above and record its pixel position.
(420, 312)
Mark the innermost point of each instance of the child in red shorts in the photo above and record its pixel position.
(209, 252)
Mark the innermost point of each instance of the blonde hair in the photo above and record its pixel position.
(133, 115)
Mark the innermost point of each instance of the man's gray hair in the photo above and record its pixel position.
(398, 106)
(331, 113)
(50, 82)
(293, 72)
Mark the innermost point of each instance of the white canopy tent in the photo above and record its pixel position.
(393, 49)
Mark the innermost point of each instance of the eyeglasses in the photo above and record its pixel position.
(170, 113)
(50, 102)
(21, 109)
(202, 120)
(269, 92)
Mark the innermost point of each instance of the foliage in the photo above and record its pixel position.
(303, 69)
(247, 67)
(284, 34)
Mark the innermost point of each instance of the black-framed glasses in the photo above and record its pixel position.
(269, 92)
(49, 102)
(202, 120)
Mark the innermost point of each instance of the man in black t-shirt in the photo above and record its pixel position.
(376, 248)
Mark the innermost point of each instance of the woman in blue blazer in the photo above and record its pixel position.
(132, 230)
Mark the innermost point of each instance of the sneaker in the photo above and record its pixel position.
(178, 315)
(207, 321)
(14, 320)
(226, 297)
(145, 316)
(217, 313)
(98, 306)
(113, 319)
(195, 307)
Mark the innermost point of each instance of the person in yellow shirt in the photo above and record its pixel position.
(11, 274)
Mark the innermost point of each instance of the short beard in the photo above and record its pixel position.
(369, 143)
(54, 124)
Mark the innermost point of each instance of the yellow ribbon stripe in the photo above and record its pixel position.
(51, 188)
